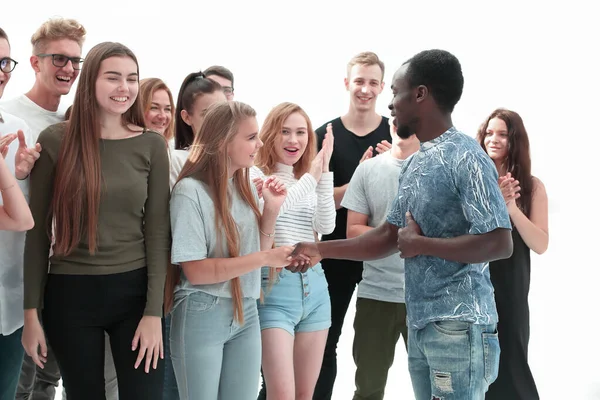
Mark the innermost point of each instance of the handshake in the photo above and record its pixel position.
(298, 258)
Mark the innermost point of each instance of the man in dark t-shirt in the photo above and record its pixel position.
(359, 134)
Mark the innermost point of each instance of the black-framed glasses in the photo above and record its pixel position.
(7, 64)
(60, 60)
(227, 89)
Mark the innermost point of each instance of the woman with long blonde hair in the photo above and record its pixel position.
(296, 313)
(220, 241)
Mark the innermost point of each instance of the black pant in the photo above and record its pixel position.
(78, 310)
(342, 277)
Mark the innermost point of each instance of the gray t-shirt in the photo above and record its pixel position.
(372, 191)
(195, 235)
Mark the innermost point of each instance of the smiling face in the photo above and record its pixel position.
(496, 140)
(57, 81)
(365, 83)
(291, 142)
(403, 105)
(244, 146)
(160, 114)
(117, 85)
(4, 76)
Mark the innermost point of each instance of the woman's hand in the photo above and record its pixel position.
(148, 336)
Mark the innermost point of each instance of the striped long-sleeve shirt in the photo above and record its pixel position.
(308, 208)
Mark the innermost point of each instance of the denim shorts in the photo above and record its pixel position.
(295, 302)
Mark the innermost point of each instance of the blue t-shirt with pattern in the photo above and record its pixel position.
(450, 186)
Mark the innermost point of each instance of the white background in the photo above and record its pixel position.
(539, 60)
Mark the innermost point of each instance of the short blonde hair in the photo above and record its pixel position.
(366, 58)
(57, 29)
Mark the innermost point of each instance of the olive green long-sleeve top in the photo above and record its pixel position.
(133, 221)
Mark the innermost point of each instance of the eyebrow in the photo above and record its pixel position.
(119, 74)
(159, 104)
(302, 127)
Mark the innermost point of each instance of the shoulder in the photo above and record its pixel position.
(255, 172)
(154, 138)
(52, 135)
(538, 188)
(192, 188)
(12, 123)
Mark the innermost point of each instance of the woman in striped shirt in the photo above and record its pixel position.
(295, 315)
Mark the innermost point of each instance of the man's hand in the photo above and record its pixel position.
(408, 238)
(305, 255)
(25, 158)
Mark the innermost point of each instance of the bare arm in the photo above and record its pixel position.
(267, 227)
(338, 195)
(468, 249)
(216, 270)
(378, 243)
(533, 230)
(14, 213)
(357, 224)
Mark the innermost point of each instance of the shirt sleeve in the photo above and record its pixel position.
(324, 218)
(188, 227)
(476, 180)
(355, 198)
(157, 228)
(37, 241)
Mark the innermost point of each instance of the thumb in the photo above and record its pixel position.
(409, 217)
(21, 137)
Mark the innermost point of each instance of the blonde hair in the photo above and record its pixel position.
(208, 163)
(266, 158)
(57, 29)
(366, 58)
(148, 87)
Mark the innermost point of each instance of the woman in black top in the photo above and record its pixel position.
(504, 138)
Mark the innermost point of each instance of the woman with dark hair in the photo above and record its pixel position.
(101, 186)
(504, 138)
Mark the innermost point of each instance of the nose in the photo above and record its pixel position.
(364, 89)
(68, 68)
(391, 105)
(259, 143)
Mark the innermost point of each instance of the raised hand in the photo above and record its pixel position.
(407, 238)
(383, 146)
(25, 158)
(316, 166)
(258, 183)
(274, 192)
(5, 141)
(367, 154)
(510, 189)
(327, 147)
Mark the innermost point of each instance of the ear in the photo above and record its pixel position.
(346, 83)
(35, 63)
(422, 93)
(382, 86)
(186, 117)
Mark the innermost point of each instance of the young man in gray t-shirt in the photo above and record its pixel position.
(380, 309)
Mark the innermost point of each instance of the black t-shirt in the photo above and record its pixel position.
(348, 149)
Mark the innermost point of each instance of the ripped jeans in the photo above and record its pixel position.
(453, 360)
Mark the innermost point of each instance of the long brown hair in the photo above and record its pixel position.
(269, 133)
(148, 87)
(518, 159)
(208, 162)
(78, 181)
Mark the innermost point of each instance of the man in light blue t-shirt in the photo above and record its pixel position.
(448, 220)
(380, 316)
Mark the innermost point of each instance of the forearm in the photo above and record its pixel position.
(378, 243)
(217, 270)
(14, 213)
(267, 227)
(535, 238)
(338, 195)
(353, 231)
(468, 249)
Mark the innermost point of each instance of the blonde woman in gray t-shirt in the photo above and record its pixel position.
(218, 234)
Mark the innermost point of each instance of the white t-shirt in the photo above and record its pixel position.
(12, 244)
(36, 117)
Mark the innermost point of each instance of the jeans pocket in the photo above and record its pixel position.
(453, 328)
(319, 269)
(269, 277)
(491, 356)
(199, 302)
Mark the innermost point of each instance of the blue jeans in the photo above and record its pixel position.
(214, 357)
(295, 302)
(10, 363)
(453, 360)
(170, 386)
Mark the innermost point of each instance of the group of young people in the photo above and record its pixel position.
(177, 250)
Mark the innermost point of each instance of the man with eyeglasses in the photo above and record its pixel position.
(223, 77)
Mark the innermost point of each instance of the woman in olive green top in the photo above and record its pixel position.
(101, 186)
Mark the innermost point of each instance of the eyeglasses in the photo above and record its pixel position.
(227, 90)
(60, 60)
(7, 64)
